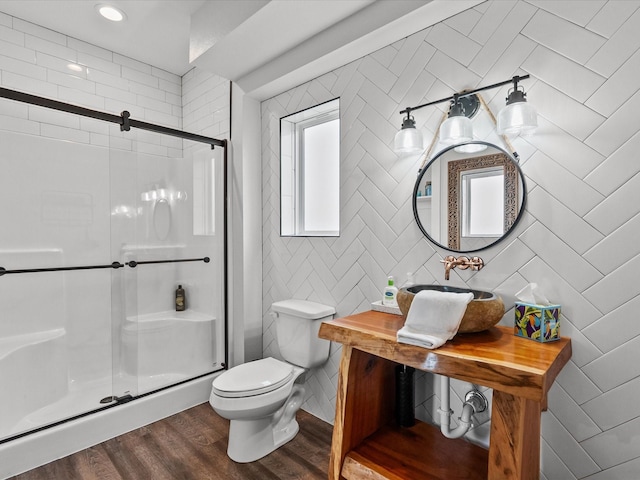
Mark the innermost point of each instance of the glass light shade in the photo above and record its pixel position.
(408, 141)
(471, 148)
(455, 130)
(518, 118)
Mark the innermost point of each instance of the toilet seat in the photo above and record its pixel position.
(253, 378)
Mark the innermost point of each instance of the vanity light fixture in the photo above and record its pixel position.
(409, 139)
(520, 117)
(110, 12)
(457, 127)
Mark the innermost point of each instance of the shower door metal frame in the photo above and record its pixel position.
(126, 123)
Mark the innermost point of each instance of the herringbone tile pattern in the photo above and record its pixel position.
(578, 239)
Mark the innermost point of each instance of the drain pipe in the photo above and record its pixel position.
(474, 402)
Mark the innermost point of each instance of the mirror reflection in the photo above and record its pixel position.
(469, 196)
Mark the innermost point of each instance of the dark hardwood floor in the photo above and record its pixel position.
(192, 445)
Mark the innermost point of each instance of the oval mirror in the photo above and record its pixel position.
(469, 196)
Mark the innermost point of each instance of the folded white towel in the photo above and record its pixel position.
(434, 317)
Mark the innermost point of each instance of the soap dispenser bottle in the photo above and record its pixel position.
(390, 294)
(181, 299)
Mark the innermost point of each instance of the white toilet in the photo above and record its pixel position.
(260, 397)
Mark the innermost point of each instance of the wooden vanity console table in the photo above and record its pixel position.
(367, 444)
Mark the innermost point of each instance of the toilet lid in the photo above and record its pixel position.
(253, 378)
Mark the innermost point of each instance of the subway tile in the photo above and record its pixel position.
(506, 65)
(86, 99)
(452, 74)
(617, 248)
(377, 74)
(17, 51)
(568, 226)
(153, 104)
(503, 37)
(90, 50)
(111, 82)
(54, 117)
(6, 20)
(616, 169)
(564, 149)
(40, 32)
(616, 367)
(617, 128)
(97, 64)
(452, 43)
(616, 327)
(576, 422)
(568, 10)
(617, 89)
(559, 256)
(140, 77)
(466, 21)
(611, 16)
(173, 89)
(377, 124)
(615, 446)
(572, 116)
(54, 49)
(574, 306)
(20, 125)
(562, 74)
(166, 76)
(20, 67)
(408, 54)
(551, 466)
(562, 36)
(623, 471)
(561, 184)
(29, 85)
(9, 35)
(577, 384)
(615, 289)
(385, 55)
(614, 408)
(617, 50)
(71, 81)
(376, 98)
(616, 208)
(490, 21)
(64, 133)
(412, 72)
(131, 64)
(583, 351)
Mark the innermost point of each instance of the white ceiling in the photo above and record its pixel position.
(265, 46)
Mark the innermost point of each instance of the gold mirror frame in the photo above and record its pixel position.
(455, 170)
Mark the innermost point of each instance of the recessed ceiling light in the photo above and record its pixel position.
(110, 12)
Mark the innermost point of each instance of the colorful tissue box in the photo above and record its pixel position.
(537, 322)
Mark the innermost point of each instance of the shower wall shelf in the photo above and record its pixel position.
(114, 265)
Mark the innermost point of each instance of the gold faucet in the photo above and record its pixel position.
(462, 262)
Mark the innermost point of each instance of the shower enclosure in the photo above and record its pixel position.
(98, 230)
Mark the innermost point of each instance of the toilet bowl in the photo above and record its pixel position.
(261, 398)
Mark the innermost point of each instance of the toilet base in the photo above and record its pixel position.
(252, 439)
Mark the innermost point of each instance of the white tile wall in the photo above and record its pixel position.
(578, 238)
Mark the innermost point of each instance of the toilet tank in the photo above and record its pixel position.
(297, 325)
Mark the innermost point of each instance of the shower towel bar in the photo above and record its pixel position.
(114, 265)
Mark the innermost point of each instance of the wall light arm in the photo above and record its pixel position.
(515, 79)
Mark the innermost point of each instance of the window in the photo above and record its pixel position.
(310, 172)
(483, 203)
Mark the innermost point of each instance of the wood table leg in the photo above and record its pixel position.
(364, 402)
(514, 451)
